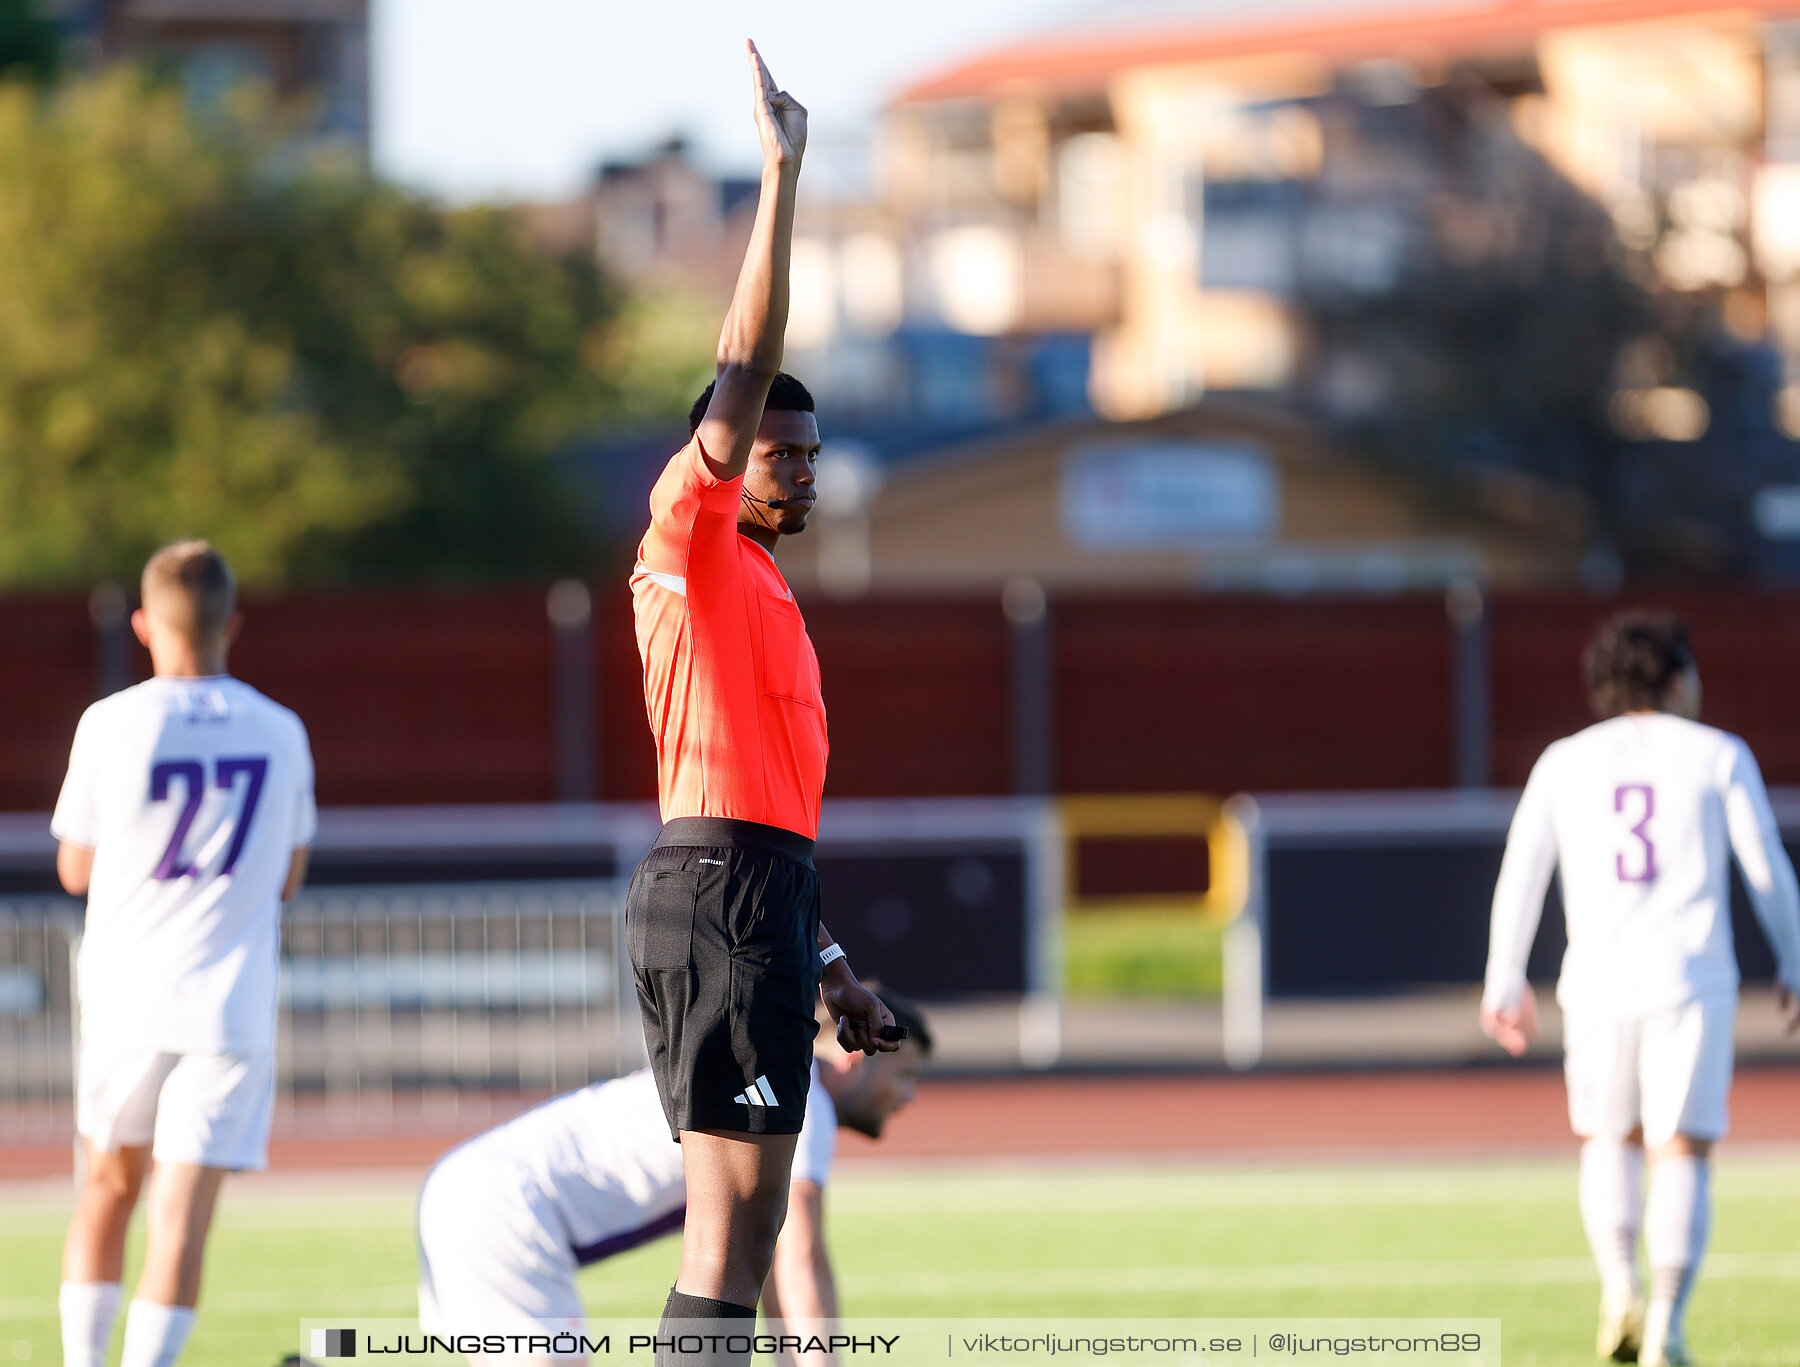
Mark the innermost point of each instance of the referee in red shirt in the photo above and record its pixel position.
(722, 919)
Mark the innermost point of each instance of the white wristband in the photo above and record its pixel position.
(830, 955)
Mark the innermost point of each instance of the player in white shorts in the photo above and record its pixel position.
(1640, 814)
(186, 817)
(508, 1218)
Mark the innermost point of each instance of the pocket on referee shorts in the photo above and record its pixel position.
(659, 930)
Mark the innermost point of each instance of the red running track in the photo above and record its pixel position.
(1331, 1113)
(1326, 1115)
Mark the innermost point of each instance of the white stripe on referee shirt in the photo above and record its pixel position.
(675, 583)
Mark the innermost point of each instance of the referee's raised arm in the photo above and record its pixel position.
(722, 915)
(750, 342)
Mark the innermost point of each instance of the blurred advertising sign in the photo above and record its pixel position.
(1169, 495)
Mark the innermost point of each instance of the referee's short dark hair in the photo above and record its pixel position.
(1633, 659)
(786, 395)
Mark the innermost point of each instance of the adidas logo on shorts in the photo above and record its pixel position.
(758, 1093)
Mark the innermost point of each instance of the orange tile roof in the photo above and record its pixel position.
(1082, 62)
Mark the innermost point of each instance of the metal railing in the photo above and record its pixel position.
(1231, 899)
(393, 997)
(38, 938)
(446, 967)
(418, 994)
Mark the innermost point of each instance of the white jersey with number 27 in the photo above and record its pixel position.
(193, 795)
(1640, 815)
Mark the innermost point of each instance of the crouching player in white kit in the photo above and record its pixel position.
(186, 818)
(508, 1218)
(1640, 813)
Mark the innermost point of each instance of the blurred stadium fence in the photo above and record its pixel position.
(441, 956)
(509, 694)
(1373, 894)
(38, 936)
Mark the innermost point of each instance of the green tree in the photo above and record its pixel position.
(27, 40)
(204, 333)
(660, 353)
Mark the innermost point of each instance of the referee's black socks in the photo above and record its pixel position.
(683, 1329)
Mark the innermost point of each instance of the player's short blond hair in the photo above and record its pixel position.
(189, 587)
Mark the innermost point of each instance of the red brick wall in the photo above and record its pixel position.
(1747, 643)
(917, 697)
(420, 696)
(1222, 694)
(47, 675)
(412, 696)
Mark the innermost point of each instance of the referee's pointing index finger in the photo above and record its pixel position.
(761, 69)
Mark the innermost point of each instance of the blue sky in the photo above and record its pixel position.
(522, 98)
(478, 98)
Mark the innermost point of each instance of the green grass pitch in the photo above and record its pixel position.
(1439, 1239)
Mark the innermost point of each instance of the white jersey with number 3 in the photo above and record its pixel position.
(193, 795)
(1641, 815)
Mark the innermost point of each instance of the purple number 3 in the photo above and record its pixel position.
(192, 773)
(1647, 874)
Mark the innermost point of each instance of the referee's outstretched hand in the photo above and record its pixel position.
(780, 118)
(857, 1011)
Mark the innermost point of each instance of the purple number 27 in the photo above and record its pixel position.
(1646, 874)
(192, 773)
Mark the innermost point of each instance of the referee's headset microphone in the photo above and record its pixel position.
(767, 502)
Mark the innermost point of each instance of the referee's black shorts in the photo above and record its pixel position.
(722, 924)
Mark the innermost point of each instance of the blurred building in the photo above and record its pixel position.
(304, 49)
(1242, 205)
(662, 217)
(1228, 496)
(1124, 215)
(915, 337)
(1187, 191)
(896, 377)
